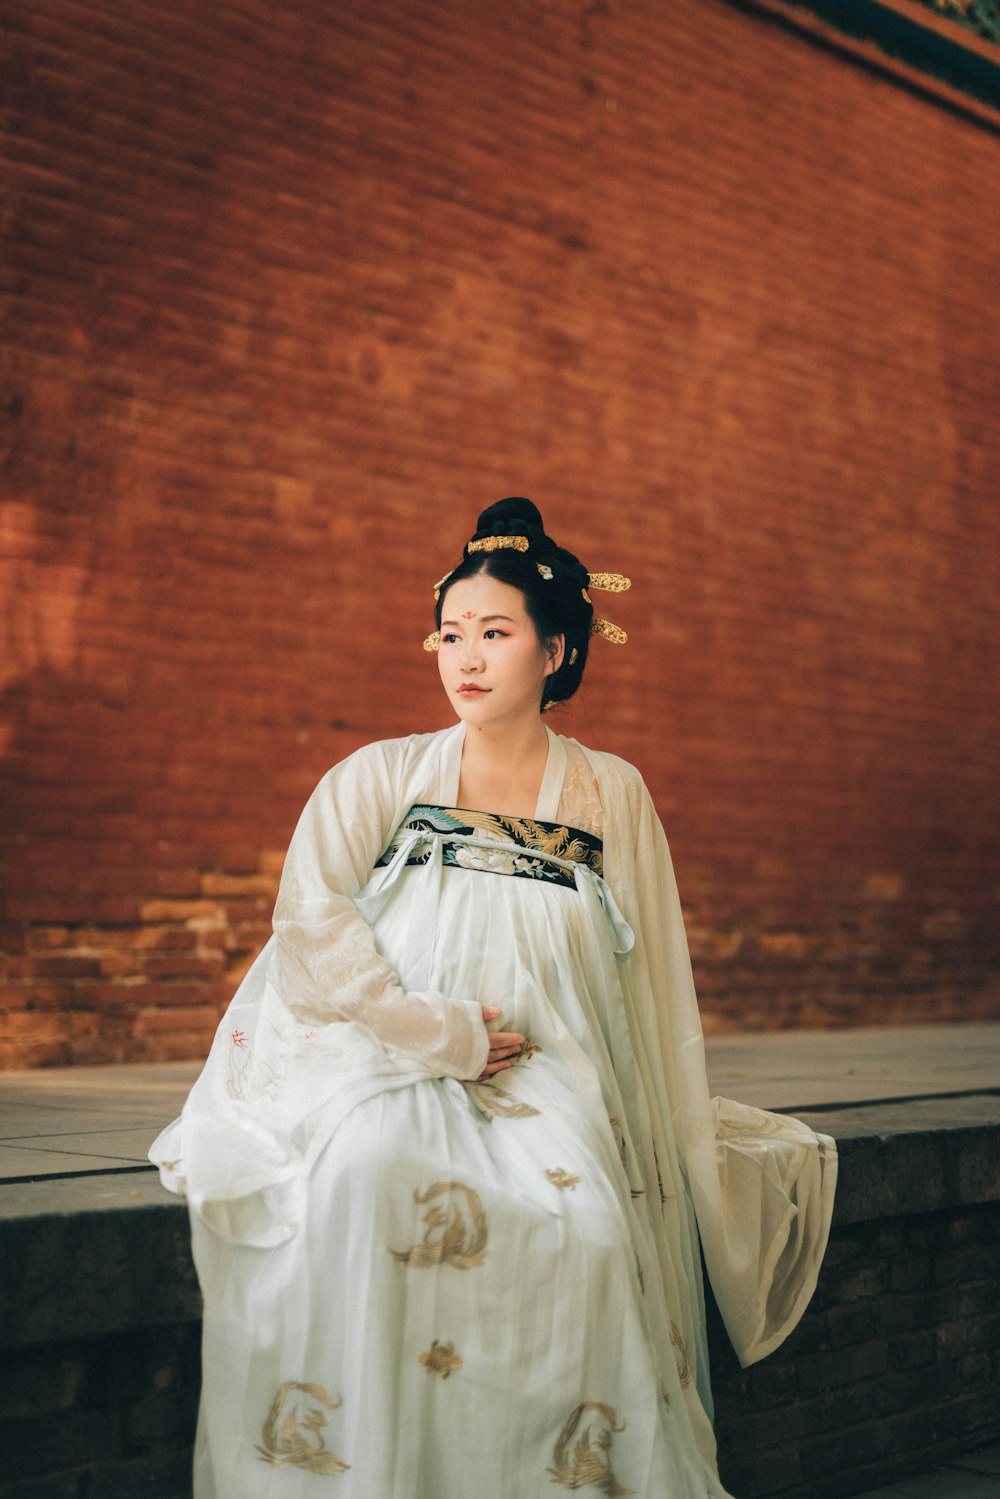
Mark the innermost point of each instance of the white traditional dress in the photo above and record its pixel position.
(418, 1286)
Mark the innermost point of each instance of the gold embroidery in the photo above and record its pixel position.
(616, 1125)
(528, 1050)
(665, 1196)
(619, 1134)
(497, 1103)
(580, 803)
(441, 1358)
(564, 1180)
(293, 1432)
(584, 1469)
(544, 837)
(462, 1244)
(683, 1367)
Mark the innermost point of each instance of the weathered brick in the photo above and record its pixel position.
(247, 426)
(37, 1445)
(821, 1371)
(954, 1339)
(823, 1454)
(156, 1475)
(911, 1350)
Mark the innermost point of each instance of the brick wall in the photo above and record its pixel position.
(291, 290)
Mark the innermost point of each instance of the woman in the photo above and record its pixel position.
(452, 1151)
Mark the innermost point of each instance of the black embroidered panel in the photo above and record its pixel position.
(524, 846)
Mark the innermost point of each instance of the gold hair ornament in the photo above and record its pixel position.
(611, 632)
(573, 655)
(440, 584)
(549, 704)
(498, 544)
(586, 595)
(545, 571)
(433, 641)
(610, 582)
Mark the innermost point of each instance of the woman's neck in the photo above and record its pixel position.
(502, 768)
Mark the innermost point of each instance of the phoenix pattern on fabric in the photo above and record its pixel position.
(462, 1242)
(583, 1467)
(292, 1436)
(524, 845)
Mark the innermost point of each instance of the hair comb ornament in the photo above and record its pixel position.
(498, 544)
(610, 582)
(440, 584)
(433, 641)
(608, 631)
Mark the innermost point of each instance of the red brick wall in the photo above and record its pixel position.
(291, 290)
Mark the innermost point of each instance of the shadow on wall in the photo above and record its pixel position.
(120, 936)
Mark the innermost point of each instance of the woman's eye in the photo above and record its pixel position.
(494, 634)
(448, 639)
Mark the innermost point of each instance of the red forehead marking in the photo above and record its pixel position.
(468, 615)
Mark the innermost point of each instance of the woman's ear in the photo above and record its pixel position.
(556, 649)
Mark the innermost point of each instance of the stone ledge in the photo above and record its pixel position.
(917, 1155)
(92, 1255)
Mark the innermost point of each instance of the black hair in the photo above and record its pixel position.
(552, 580)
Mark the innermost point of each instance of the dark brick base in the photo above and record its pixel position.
(896, 1366)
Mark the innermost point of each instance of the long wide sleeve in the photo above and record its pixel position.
(761, 1184)
(325, 967)
(321, 1021)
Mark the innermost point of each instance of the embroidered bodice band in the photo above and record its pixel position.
(496, 844)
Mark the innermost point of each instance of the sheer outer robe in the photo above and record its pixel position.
(761, 1185)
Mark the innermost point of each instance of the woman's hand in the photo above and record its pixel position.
(504, 1047)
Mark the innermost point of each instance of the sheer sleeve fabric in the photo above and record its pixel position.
(321, 1021)
(325, 966)
(761, 1184)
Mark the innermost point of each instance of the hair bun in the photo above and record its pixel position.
(509, 517)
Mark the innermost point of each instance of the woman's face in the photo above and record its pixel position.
(490, 659)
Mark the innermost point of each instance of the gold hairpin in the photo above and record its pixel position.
(440, 584)
(433, 641)
(545, 571)
(610, 582)
(611, 632)
(573, 655)
(586, 595)
(498, 543)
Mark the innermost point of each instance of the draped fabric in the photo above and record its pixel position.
(414, 1282)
